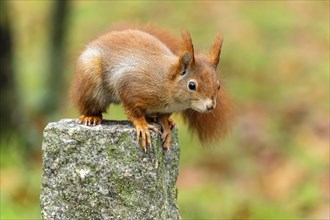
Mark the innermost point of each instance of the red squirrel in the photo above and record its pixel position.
(153, 75)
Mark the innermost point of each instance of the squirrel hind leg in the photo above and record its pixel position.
(88, 91)
(90, 120)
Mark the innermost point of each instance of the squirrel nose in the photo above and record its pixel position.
(210, 106)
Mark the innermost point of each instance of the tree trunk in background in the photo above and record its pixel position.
(55, 81)
(13, 120)
(10, 105)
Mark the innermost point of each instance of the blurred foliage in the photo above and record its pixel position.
(275, 60)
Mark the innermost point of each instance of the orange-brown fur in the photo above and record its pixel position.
(212, 125)
(148, 71)
(215, 124)
(208, 126)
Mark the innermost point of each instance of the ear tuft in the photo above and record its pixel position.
(215, 50)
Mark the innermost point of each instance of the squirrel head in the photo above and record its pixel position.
(196, 79)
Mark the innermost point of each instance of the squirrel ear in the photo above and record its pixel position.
(188, 45)
(185, 60)
(182, 65)
(215, 50)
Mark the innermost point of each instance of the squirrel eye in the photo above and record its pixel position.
(192, 85)
(218, 85)
(184, 72)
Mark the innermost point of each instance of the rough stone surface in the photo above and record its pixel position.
(102, 173)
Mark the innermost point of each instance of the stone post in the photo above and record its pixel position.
(102, 173)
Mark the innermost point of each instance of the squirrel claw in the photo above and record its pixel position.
(166, 140)
(164, 136)
(167, 145)
(167, 125)
(143, 132)
(153, 128)
(89, 120)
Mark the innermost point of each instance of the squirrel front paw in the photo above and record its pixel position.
(90, 120)
(166, 139)
(142, 131)
(167, 125)
(171, 123)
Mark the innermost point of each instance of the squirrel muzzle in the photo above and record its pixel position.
(206, 105)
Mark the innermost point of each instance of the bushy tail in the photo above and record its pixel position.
(211, 126)
(174, 43)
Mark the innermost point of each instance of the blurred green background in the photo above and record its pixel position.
(275, 61)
